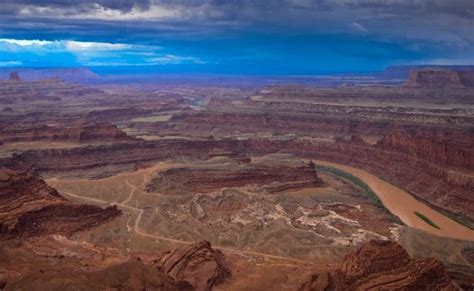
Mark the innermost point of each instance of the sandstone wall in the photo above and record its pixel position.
(82, 133)
(29, 207)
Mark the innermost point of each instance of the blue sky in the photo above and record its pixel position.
(294, 37)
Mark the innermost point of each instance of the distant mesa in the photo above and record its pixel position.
(434, 78)
(14, 77)
(402, 72)
(40, 74)
(426, 76)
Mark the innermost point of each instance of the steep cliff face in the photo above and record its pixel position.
(307, 120)
(383, 265)
(434, 78)
(445, 150)
(83, 133)
(182, 181)
(100, 131)
(29, 207)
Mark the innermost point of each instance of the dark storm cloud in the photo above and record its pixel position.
(122, 5)
(244, 8)
(439, 27)
(460, 8)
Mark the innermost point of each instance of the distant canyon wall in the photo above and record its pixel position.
(82, 133)
(424, 174)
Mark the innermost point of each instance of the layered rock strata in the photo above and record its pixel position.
(199, 264)
(82, 133)
(444, 150)
(29, 207)
(434, 78)
(198, 180)
(312, 123)
(383, 265)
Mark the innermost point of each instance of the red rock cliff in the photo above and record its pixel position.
(29, 207)
(446, 150)
(83, 133)
(383, 265)
(199, 264)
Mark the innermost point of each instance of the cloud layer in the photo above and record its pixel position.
(33, 52)
(396, 31)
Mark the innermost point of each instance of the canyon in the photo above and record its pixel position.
(237, 187)
(194, 266)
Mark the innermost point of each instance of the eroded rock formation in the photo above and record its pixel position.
(439, 78)
(82, 133)
(52, 90)
(273, 178)
(383, 265)
(310, 120)
(130, 275)
(29, 207)
(199, 264)
(445, 150)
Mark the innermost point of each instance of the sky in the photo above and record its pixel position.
(270, 37)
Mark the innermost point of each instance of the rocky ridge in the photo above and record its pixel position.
(323, 120)
(383, 265)
(198, 180)
(29, 207)
(90, 132)
(443, 150)
(199, 264)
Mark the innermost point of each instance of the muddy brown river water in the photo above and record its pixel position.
(404, 205)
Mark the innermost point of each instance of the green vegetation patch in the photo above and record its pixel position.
(359, 183)
(426, 219)
(349, 177)
(353, 179)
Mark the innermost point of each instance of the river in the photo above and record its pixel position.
(404, 205)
